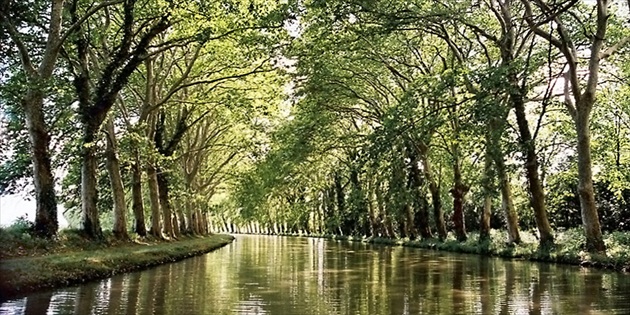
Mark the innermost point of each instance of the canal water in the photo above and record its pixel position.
(285, 275)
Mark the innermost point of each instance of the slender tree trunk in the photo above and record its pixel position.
(458, 192)
(91, 222)
(408, 226)
(484, 221)
(167, 213)
(371, 209)
(528, 146)
(139, 225)
(118, 193)
(421, 217)
(341, 204)
(191, 215)
(204, 223)
(359, 208)
(156, 225)
(385, 223)
(176, 222)
(511, 217)
(434, 189)
(46, 223)
(537, 195)
(459, 189)
(590, 218)
(199, 221)
(329, 211)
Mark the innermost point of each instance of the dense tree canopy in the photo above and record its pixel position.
(408, 119)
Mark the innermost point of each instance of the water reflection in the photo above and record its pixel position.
(276, 275)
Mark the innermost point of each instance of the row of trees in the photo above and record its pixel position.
(402, 118)
(165, 95)
(401, 103)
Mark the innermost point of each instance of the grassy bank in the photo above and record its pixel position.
(569, 248)
(29, 267)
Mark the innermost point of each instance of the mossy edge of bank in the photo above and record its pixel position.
(568, 249)
(24, 275)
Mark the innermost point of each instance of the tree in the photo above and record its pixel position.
(15, 18)
(579, 99)
(94, 104)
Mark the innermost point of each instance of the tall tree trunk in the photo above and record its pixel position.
(191, 217)
(537, 195)
(139, 225)
(511, 217)
(590, 218)
(46, 224)
(204, 223)
(167, 213)
(176, 222)
(333, 226)
(386, 223)
(459, 189)
(118, 193)
(91, 223)
(484, 220)
(458, 192)
(434, 189)
(156, 225)
(516, 94)
(341, 203)
(371, 209)
(199, 221)
(421, 216)
(408, 226)
(359, 208)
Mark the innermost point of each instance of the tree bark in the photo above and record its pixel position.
(484, 220)
(372, 208)
(421, 216)
(165, 204)
(190, 217)
(204, 223)
(118, 193)
(434, 189)
(590, 218)
(46, 224)
(537, 194)
(341, 203)
(199, 221)
(511, 217)
(459, 189)
(386, 223)
(156, 225)
(136, 195)
(91, 223)
(458, 192)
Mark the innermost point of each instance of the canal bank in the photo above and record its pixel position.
(22, 275)
(568, 248)
(313, 276)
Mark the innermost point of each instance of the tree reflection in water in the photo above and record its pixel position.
(276, 275)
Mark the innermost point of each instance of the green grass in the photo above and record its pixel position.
(82, 261)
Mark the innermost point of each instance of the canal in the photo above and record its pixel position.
(285, 275)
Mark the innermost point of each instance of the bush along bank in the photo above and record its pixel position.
(569, 247)
(22, 275)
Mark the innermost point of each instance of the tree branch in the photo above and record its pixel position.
(87, 15)
(15, 37)
(613, 49)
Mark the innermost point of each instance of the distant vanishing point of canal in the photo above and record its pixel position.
(288, 275)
